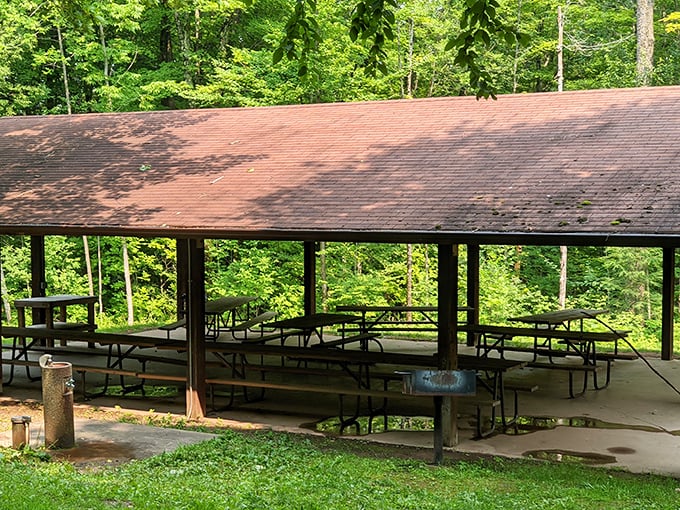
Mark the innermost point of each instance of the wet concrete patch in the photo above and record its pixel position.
(587, 458)
(622, 450)
(100, 443)
(528, 424)
(96, 452)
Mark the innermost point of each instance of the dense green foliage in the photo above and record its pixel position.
(93, 56)
(269, 470)
(83, 56)
(514, 280)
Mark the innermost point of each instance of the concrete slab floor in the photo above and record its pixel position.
(633, 424)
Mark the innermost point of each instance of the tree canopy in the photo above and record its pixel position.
(93, 56)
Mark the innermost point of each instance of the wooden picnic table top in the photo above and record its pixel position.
(53, 301)
(563, 334)
(226, 303)
(558, 316)
(313, 321)
(90, 336)
(465, 361)
(397, 308)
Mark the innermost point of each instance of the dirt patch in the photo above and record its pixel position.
(10, 407)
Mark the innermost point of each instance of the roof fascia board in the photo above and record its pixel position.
(429, 237)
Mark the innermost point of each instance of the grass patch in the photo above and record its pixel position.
(274, 470)
(150, 391)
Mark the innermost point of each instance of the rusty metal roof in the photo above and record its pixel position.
(589, 166)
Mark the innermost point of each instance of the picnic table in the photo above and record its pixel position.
(555, 319)
(118, 348)
(555, 337)
(55, 308)
(221, 314)
(58, 303)
(371, 371)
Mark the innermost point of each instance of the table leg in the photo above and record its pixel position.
(90, 321)
(49, 324)
(62, 313)
(62, 318)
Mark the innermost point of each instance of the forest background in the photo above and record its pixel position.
(83, 56)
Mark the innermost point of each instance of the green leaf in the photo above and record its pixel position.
(353, 33)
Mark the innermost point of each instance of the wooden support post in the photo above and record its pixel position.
(447, 341)
(38, 279)
(310, 277)
(472, 289)
(195, 392)
(668, 304)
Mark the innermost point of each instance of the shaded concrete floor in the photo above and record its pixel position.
(634, 424)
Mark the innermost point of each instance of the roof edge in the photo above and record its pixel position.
(417, 237)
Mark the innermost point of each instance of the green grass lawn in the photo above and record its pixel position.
(260, 470)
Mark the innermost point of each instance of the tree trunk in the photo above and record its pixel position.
(359, 268)
(517, 48)
(518, 260)
(3, 291)
(165, 42)
(426, 282)
(88, 265)
(105, 55)
(409, 279)
(645, 42)
(648, 293)
(183, 37)
(100, 272)
(128, 285)
(106, 63)
(324, 276)
(409, 76)
(165, 35)
(564, 253)
(560, 49)
(67, 92)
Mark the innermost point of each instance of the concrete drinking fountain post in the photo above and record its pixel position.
(57, 394)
